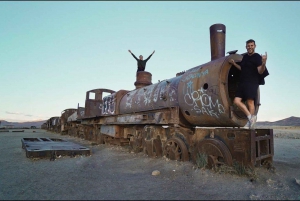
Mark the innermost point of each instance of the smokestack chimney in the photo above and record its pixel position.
(217, 41)
(143, 78)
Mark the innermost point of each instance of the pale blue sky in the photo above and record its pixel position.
(53, 52)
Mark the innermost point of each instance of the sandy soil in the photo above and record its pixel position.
(114, 173)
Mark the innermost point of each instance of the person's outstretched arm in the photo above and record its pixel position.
(132, 54)
(150, 56)
(235, 64)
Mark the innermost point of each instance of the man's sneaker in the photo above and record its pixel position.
(248, 124)
(252, 121)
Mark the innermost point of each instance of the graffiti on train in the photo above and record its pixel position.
(108, 106)
(203, 101)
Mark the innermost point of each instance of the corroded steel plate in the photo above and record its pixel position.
(51, 147)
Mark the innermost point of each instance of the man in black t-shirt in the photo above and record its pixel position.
(141, 64)
(252, 66)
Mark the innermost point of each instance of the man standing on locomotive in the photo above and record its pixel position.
(253, 70)
(141, 64)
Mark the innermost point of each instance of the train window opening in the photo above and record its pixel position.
(104, 94)
(92, 95)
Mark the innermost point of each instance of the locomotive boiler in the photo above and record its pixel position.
(183, 117)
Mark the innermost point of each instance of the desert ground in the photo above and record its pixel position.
(114, 173)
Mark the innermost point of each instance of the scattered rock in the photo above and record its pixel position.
(254, 197)
(155, 173)
(297, 181)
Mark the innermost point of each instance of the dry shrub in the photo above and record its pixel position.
(237, 169)
(201, 160)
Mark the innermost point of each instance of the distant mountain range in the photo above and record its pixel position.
(22, 124)
(290, 121)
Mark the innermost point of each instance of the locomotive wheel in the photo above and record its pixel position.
(216, 151)
(175, 149)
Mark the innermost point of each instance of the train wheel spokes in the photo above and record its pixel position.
(175, 149)
(216, 152)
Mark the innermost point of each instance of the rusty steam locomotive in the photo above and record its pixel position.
(181, 118)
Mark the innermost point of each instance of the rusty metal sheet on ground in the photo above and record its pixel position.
(51, 147)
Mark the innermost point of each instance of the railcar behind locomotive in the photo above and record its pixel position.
(181, 118)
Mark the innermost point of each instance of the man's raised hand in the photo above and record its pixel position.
(264, 58)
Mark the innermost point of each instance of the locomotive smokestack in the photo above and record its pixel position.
(143, 78)
(217, 40)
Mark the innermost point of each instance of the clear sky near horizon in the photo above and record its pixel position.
(53, 52)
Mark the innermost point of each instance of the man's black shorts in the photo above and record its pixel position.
(247, 91)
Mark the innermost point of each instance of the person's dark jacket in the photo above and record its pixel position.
(262, 77)
(141, 64)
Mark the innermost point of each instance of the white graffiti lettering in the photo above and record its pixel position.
(195, 75)
(108, 106)
(202, 102)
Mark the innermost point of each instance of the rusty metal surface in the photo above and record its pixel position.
(162, 116)
(225, 145)
(217, 41)
(80, 112)
(143, 78)
(177, 117)
(111, 102)
(53, 124)
(207, 95)
(111, 130)
(51, 147)
(216, 151)
(65, 114)
(93, 107)
(157, 96)
(72, 117)
(176, 149)
(264, 146)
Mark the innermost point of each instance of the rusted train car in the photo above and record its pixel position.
(53, 124)
(65, 114)
(182, 117)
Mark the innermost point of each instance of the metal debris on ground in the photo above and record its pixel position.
(52, 148)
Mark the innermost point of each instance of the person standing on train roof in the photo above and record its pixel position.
(253, 71)
(141, 64)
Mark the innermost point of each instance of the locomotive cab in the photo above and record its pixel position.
(93, 102)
